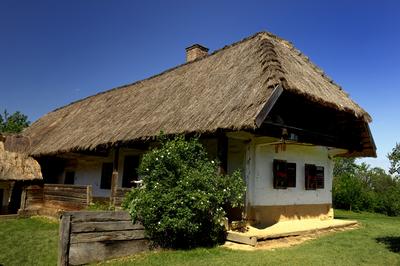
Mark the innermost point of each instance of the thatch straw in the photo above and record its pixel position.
(224, 90)
(15, 166)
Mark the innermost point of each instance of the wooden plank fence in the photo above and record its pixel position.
(120, 195)
(56, 196)
(90, 236)
(32, 196)
(67, 197)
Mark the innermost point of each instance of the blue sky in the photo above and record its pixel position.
(55, 52)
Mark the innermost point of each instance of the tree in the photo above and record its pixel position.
(394, 158)
(360, 187)
(14, 123)
(181, 203)
(344, 166)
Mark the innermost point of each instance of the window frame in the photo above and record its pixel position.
(286, 177)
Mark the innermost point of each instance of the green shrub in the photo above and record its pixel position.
(181, 201)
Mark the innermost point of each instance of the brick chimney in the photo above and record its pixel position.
(195, 51)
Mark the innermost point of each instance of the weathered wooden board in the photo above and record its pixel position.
(90, 216)
(63, 205)
(64, 240)
(239, 238)
(92, 236)
(64, 198)
(64, 186)
(72, 194)
(79, 227)
(81, 253)
(120, 195)
(58, 196)
(106, 236)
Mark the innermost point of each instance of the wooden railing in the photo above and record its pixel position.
(56, 196)
(120, 195)
(67, 197)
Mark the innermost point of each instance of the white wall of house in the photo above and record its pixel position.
(89, 173)
(236, 155)
(262, 192)
(88, 170)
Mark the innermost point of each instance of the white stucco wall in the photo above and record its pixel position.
(88, 170)
(262, 192)
(236, 156)
(89, 173)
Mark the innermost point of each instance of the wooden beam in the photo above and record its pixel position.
(277, 91)
(114, 176)
(64, 240)
(222, 152)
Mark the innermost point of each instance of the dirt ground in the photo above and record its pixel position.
(285, 242)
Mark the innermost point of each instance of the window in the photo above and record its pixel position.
(314, 177)
(320, 176)
(291, 174)
(284, 174)
(106, 175)
(131, 163)
(69, 178)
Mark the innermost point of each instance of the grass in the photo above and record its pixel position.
(377, 242)
(34, 242)
(30, 241)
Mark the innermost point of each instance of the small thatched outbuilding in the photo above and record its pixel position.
(16, 170)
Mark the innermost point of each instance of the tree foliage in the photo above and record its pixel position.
(181, 203)
(360, 187)
(13, 123)
(394, 158)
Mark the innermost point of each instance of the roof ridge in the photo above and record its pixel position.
(271, 65)
(315, 67)
(163, 72)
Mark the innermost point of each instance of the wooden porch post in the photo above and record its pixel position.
(222, 152)
(114, 177)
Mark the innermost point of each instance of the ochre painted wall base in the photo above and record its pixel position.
(269, 215)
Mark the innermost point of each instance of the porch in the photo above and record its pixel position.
(253, 235)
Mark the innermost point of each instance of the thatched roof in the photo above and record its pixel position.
(15, 166)
(224, 90)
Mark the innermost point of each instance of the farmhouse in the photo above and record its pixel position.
(260, 105)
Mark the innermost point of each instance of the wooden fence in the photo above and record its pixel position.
(90, 236)
(32, 196)
(56, 197)
(67, 197)
(119, 196)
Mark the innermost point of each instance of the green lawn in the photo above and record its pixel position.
(376, 243)
(30, 241)
(34, 242)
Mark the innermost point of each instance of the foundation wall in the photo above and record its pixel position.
(268, 215)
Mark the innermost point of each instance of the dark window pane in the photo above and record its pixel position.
(106, 174)
(69, 178)
(291, 174)
(280, 174)
(310, 177)
(320, 177)
(131, 163)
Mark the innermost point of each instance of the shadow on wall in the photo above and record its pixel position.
(392, 242)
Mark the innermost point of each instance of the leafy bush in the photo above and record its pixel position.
(182, 199)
